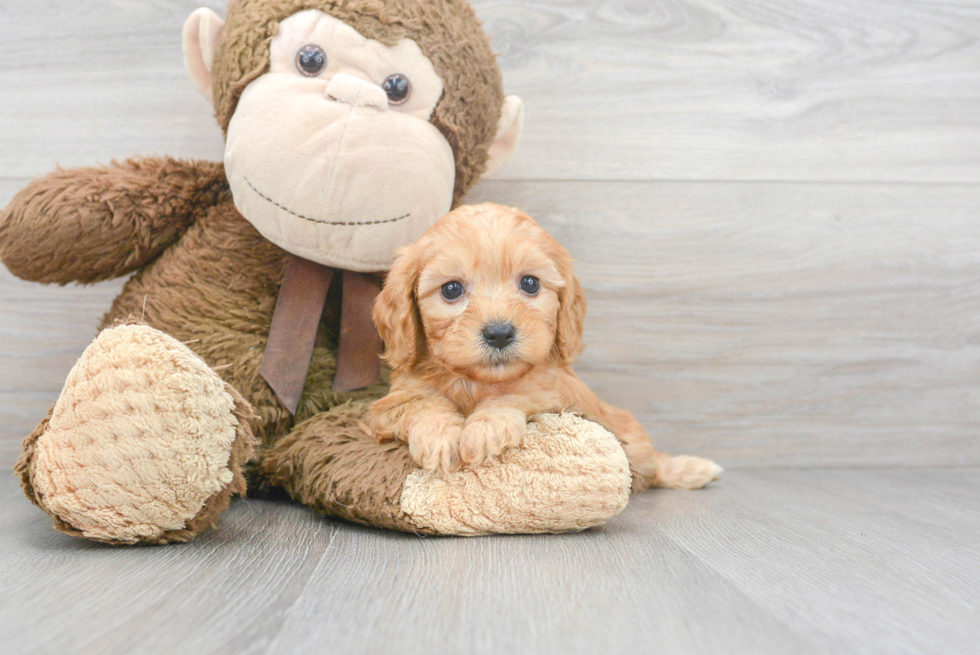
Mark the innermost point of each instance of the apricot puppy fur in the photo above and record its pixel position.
(482, 318)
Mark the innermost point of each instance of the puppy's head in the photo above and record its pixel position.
(486, 293)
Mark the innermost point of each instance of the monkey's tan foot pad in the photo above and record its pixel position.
(569, 474)
(145, 445)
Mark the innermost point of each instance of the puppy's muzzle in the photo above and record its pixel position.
(499, 335)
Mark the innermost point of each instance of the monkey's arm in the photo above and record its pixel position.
(92, 224)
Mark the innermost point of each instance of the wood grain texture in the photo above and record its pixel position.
(833, 90)
(829, 90)
(766, 562)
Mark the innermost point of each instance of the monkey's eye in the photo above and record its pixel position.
(530, 285)
(452, 290)
(311, 60)
(397, 87)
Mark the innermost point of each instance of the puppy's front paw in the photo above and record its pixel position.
(433, 441)
(489, 433)
(381, 423)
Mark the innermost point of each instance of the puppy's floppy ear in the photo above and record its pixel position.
(571, 312)
(396, 313)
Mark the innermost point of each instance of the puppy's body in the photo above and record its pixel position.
(482, 319)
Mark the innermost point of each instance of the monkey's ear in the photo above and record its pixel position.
(200, 39)
(508, 134)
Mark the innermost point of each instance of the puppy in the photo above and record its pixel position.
(482, 318)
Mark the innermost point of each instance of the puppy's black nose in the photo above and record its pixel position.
(499, 335)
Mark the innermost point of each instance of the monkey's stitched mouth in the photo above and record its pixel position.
(314, 220)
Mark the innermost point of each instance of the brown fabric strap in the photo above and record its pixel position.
(294, 328)
(358, 361)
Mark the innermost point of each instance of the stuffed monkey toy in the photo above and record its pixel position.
(242, 346)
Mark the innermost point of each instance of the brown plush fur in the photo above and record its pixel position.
(447, 32)
(328, 463)
(23, 469)
(454, 398)
(204, 275)
(216, 290)
(91, 224)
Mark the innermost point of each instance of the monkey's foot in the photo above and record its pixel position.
(145, 445)
(567, 474)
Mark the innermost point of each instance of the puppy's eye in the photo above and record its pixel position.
(397, 87)
(452, 290)
(530, 285)
(311, 60)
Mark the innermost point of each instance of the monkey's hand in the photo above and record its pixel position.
(92, 224)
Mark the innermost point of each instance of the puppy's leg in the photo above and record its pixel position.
(431, 426)
(653, 468)
(494, 426)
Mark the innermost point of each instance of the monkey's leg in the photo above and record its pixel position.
(568, 474)
(145, 445)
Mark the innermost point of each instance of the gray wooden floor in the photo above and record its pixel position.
(819, 561)
(774, 210)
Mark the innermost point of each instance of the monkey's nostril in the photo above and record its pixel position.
(499, 335)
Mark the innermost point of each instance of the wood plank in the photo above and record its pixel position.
(948, 513)
(621, 589)
(226, 591)
(764, 562)
(824, 559)
(875, 90)
(108, 83)
(830, 90)
(789, 325)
